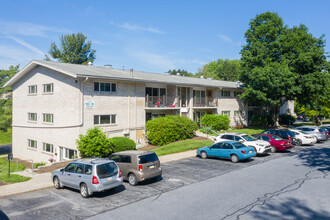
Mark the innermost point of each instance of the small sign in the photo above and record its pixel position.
(89, 104)
(10, 156)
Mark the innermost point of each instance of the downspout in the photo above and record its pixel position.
(83, 101)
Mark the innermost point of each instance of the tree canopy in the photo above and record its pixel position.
(181, 72)
(281, 63)
(73, 49)
(227, 70)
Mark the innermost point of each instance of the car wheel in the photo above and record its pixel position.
(298, 142)
(57, 183)
(273, 149)
(255, 150)
(203, 155)
(84, 190)
(234, 158)
(132, 179)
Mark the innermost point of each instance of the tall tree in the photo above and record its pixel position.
(281, 63)
(73, 49)
(181, 72)
(227, 70)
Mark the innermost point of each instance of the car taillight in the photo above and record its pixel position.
(95, 180)
(158, 162)
(307, 137)
(214, 139)
(289, 139)
(119, 173)
(319, 132)
(243, 151)
(140, 167)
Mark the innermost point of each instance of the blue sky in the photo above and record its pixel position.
(152, 36)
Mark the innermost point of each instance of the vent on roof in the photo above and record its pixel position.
(238, 83)
(202, 77)
(131, 72)
(123, 67)
(108, 66)
(178, 74)
(90, 64)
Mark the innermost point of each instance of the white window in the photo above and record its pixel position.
(105, 119)
(48, 118)
(33, 89)
(47, 147)
(237, 113)
(69, 153)
(225, 93)
(226, 113)
(32, 143)
(32, 116)
(49, 88)
(105, 87)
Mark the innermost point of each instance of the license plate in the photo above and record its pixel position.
(109, 179)
(250, 151)
(152, 166)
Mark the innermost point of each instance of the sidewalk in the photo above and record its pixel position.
(42, 181)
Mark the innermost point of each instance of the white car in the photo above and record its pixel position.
(302, 137)
(261, 147)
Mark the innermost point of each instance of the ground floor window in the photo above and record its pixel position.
(70, 154)
(237, 113)
(150, 116)
(105, 119)
(197, 117)
(48, 147)
(32, 143)
(226, 113)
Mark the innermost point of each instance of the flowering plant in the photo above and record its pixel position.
(51, 160)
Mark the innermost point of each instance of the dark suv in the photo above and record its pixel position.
(283, 133)
(137, 166)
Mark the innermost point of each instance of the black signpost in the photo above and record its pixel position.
(10, 157)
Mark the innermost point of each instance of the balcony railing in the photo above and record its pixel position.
(161, 102)
(205, 102)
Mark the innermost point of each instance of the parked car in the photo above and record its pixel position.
(260, 147)
(283, 133)
(313, 130)
(233, 150)
(277, 142)
(88, 175)
(303, 138)
(137, 166)
(325, 131)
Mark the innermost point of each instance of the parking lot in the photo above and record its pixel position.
(68, 204)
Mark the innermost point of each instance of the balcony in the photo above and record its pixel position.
(205, 103)
(163, 102)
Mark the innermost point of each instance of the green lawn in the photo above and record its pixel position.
(249, 131)
(181, 146)
(5, 137)
(14, 178)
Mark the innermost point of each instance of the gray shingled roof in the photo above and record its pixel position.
(76, 70)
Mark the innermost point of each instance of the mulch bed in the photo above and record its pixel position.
(53, 167)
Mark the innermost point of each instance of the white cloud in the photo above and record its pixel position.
(27, 29)
(225, 38)
(27, 45)
(134, 27)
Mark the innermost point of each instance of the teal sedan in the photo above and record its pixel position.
(232, 150)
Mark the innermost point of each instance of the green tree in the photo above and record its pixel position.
(94, 143)
(181, 72)
(227, 70)
(6, 98)
(281, 63)
(73, 49)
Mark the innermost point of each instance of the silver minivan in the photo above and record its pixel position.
(88, 175)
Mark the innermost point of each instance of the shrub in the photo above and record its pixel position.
(39, 164)
(208, 130)
(287, 119)
(122, 144)
(216, 122)
(164, 130)
(94, 143)
(258, 121)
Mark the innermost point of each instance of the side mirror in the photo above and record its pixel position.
(61, 170)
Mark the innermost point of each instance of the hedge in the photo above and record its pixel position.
(164, 130)
(287, 119)
(216, 122)
(122, 144)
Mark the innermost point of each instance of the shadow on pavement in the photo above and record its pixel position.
(289, 209)
(316, 158)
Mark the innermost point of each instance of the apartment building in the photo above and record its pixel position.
(55, 102)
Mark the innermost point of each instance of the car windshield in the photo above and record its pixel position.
(249, 138)
(107, 170)
(238, 145)
(148, 158)
(290, 133)
(277, 138)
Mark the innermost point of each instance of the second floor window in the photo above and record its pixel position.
(33, 89)
(199, 96)
(48, 118)
(105, 119)
(32, 116)
(48, 88)
(105, 87)
(225, 93)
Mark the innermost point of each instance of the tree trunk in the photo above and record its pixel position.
(275, 116)
(317, 121)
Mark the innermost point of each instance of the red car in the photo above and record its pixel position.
(277, 142)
